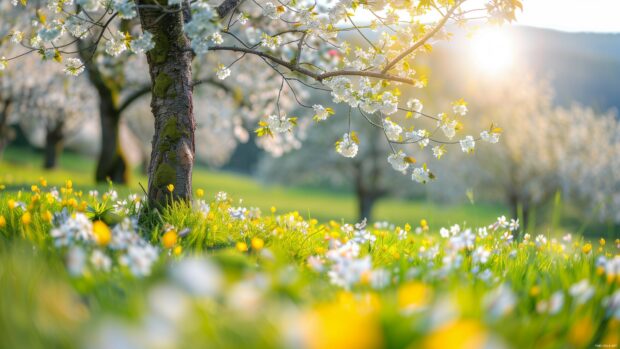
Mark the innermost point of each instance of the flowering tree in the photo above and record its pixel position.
(304, 42)
(545, 151)
(58, 107)
(366, 174)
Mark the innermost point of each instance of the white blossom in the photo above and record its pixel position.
(398, 162)
(142, 44)
(392, 130)
(347, 147)
(467, 144)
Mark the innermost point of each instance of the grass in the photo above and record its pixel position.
(77, 273)
(21, 167)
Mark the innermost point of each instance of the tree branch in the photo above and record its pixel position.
(423, 40)
(309, 73)
(146, 89)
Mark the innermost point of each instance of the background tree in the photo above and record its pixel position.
(58, 107)
(543, 151)
(366, 175)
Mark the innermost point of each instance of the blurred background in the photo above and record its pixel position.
(554, 91)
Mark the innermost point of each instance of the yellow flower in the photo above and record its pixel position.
(169, 239)
(257, 243)
(12, 204)
(413, 296)
(587, 248)
(273, 209)
(72, 202)
(34, 188)
(170, 187)
(47, 216)
(534, 291)
(602, 242)
(69, 184)
(43, 182)
(424, 224)
(241, 246)
(458, 334)
(178, 250)
(2, 222)
(581, 332)
(344, 324)
(26, 218)
(102, 233)
(200, 193)
(83, 206)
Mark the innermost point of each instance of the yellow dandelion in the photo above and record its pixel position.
(257, 243)
(602, 242)
(43, 182)
(586, 248)
(170, 187)
(178, 250)
(345, 324)
(69, 184)
(47, 216)
(2, 222)
(424, 224)
(12, 204)
(72, 202)
(413, 296)
(241, 246)
(200, 193)
(457, 334)
(581, 332)
(169, 239)
(273, 209)
(102, 233)
(26, 218)
(35, 188)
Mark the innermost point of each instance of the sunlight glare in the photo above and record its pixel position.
(492, 51)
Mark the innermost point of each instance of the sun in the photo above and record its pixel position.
(492, 51)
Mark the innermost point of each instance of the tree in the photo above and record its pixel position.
(302, 41)
(366, 174)
(59, 106)
(546, 149)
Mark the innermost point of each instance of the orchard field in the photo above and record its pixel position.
(303, 174)
(83, 268)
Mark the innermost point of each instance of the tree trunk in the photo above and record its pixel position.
(5, 130)
(172, 155)
(53, 146)
(519, 209)
(365, 202)
(111, 164)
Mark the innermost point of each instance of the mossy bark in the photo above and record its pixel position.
(172, 155)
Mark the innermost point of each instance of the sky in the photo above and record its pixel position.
(572, 15)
